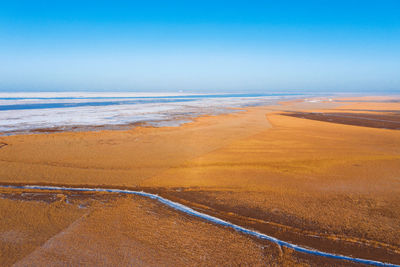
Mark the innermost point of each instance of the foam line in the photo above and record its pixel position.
(189, 211)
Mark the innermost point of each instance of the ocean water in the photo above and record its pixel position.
(41, 112)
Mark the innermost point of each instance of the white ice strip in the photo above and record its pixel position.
(189, 211)
(33, 101)
(88, 94)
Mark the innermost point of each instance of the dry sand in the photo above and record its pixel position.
(112, 230)
(323, 184)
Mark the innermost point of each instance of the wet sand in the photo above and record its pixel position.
(387, 120)
(287, 176)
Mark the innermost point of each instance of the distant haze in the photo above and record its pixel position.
(200, 46)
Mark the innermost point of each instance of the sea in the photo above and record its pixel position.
(22, 113)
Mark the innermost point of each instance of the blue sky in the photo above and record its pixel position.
(200, 46)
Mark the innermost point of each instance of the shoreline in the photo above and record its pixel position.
(37, 115)
(172, 122)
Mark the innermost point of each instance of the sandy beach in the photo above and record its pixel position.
(322, 173)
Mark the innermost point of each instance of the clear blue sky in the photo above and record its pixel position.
(202, 46)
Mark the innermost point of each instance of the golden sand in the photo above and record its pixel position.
(326, 179)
